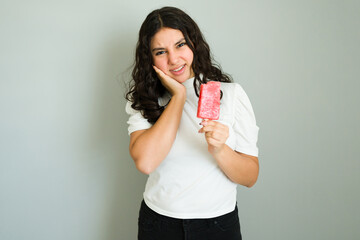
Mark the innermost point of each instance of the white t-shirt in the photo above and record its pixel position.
(188, 183)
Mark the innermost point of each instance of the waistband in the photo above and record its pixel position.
(148, 211)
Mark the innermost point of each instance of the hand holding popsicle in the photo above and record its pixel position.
(216, 135)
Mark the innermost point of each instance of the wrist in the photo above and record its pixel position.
(179, 95)
(219, 152)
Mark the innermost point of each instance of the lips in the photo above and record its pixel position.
(176, 70)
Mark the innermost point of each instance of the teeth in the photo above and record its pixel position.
(176, 70)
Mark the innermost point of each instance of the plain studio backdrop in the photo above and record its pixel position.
(65, 170)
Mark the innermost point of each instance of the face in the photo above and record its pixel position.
(171, 54)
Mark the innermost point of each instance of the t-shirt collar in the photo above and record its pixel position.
(189, 84)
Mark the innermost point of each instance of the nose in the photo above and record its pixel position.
(172, 58)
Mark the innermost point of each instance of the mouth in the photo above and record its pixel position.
(178, 70)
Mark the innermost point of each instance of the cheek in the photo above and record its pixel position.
(160, 63)
(190, 56)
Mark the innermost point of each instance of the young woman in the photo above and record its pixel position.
(193, 168)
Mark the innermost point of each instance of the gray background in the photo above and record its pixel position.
(65, 171)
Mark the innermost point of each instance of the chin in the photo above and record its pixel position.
(181, 79)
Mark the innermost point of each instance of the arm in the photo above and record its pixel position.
(148, 148)
(238, 167)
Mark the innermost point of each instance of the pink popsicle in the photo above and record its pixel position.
(209, 101)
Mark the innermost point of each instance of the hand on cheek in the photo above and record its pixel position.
(169, 83)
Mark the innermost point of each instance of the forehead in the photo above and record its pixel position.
(166, 37)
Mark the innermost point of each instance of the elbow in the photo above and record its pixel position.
(254, 176)
(250, 184)
(252, 181)
(143, 167)
(246, 182)
(144, 163)
(140, 163)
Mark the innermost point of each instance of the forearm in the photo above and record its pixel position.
(150, 148)
(239, 168)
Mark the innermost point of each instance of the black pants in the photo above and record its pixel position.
(153, 226)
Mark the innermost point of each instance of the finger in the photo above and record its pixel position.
(210, 128)
(158, 71)
(218, 136)
(215, 127)
(165, 79)
(213, 142)
(220, 127)
(207, 129)
(156, 68)
(206, 122)
(219, 133)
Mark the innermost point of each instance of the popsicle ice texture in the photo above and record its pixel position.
(209, 101)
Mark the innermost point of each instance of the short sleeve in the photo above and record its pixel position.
(245, 128)
(136, 120)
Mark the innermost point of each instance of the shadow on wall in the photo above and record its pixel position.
(125, 183)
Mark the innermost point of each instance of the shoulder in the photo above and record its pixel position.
(234, 96)
(233, 86)
(233, 90)
(130, 110)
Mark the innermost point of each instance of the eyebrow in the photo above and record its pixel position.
(157, 49)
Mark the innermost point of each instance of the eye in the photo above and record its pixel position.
(159, 53)
(181, 44)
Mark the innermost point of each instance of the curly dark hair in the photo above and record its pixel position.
(145, 87)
